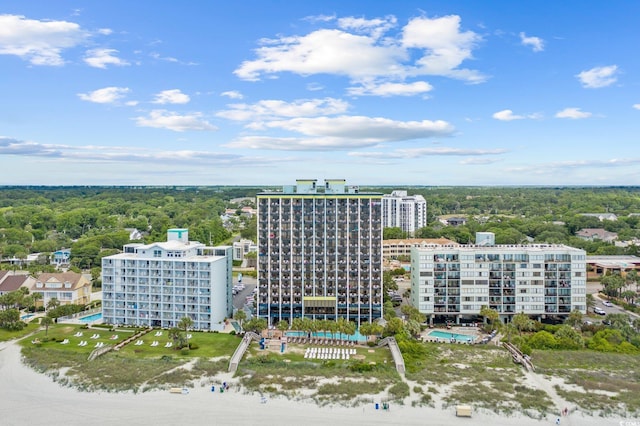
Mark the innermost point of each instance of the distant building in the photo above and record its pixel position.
(134, 234)
(602, 216)
(158, 284)
(597, 266)
(319, 252)
(242, 247)
(11, 282)
(597, 234)
(454, 282)
(69, 288)
(453, 221)
(61, 257)
(407, 212)
(392, 249)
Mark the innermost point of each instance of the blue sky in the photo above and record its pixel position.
(265, 92)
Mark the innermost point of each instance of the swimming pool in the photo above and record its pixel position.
(325, 335)
(445, 335)
(25, 317)
(92, 318)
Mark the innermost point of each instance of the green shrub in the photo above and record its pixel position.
(184, 351)
(193, 346)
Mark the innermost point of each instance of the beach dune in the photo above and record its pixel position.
(32, 398)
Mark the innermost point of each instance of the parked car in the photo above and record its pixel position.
(599, 311)
(607, 303)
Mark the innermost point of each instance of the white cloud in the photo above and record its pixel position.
(536, 43)
(39, 42)
(636, 106)
(106, 95)
(428, 152)
(162, 119)
(270, 109)
(507, 115)
(574, 113)
(374, 27)
(232, 94)
(445, 47)
(423, 47)
(343, 132)
(598, 77)
(128, 154)
(172, 96)
(100, 58)
(105, 31)
(391, 89)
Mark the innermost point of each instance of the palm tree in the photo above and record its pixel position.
(176, 335)
(36, 296)
(52, 303)
(45, 322)
(240, 316)
(184, 324)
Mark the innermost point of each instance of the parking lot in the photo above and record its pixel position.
(242, 296)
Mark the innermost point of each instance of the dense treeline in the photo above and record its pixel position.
(92, 220)
(539, 215)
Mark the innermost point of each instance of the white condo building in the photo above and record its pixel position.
(407, 212)
(158, 284)
(319, 253)
(454, 281)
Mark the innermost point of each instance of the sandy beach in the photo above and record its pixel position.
(32, 398)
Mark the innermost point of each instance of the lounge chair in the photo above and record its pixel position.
(189, 336)
(64, 342)
(95, 336)
(139, 342)
(97, 345)
(78, 334)
(154, 343)
(82, 343)
(114, 337)
(168, 345)
(158, 333)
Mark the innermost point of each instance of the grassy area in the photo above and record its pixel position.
(345, 382)
(605, 382)
(133, 367)
(10, 335)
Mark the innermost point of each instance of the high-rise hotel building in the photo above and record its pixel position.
(542, 280)
(407, 212)
(319, 253)
(158, 284)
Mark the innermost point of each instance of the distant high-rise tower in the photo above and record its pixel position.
(319, 253)
(407, 212)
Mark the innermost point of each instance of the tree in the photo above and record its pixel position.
(393, 233)
(522, 322)
(574, 319)
(185, 323)
(612, 284)
(256, 325)
(45, 322)
(370, 329)
(413, 313)
(490, 315)
(283, 325)
(177, 336)
(53, 303)
(240, 316)
(394, 326)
